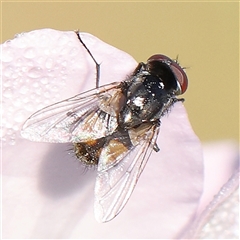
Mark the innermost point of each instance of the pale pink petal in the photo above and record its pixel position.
(218, 213)
(46, 193)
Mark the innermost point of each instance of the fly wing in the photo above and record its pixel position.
(119, 169)
(89, 115)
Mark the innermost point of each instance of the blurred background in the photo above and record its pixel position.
(204, 36)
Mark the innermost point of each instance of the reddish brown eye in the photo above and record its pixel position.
(159, 57)
(179, 73)
(181, 76)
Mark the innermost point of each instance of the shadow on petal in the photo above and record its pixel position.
(61, 174)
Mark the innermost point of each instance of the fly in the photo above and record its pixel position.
(113, 127)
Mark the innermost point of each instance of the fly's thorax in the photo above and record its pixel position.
(146, 100)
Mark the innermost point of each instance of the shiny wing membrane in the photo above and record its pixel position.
(118, 172)
(89, 115)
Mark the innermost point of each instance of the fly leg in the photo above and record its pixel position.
(95, 61)
(156, 148)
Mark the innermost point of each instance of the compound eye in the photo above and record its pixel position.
(159, 57)
(181, 77)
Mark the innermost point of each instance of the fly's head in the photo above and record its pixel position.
(169, 71)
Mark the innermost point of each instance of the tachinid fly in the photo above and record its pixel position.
(114, 126)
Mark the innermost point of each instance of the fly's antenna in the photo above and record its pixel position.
(176, 59)
(95, 61)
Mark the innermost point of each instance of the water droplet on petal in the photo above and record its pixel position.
(19, 62)
(35, 72)
(8, 92)
(19, 116)
(12, 141)
(47, 94)
(7, 55)
(49, 63)
(30, 53)
(63, 40)
(9, 131)
(54, 88)
(17, 103)
(29, 107)
(44, 80)
(23, 90)
(7, 83)
(64, 63)
(8, 71)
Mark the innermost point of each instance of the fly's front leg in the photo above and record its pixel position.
(95, 61)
